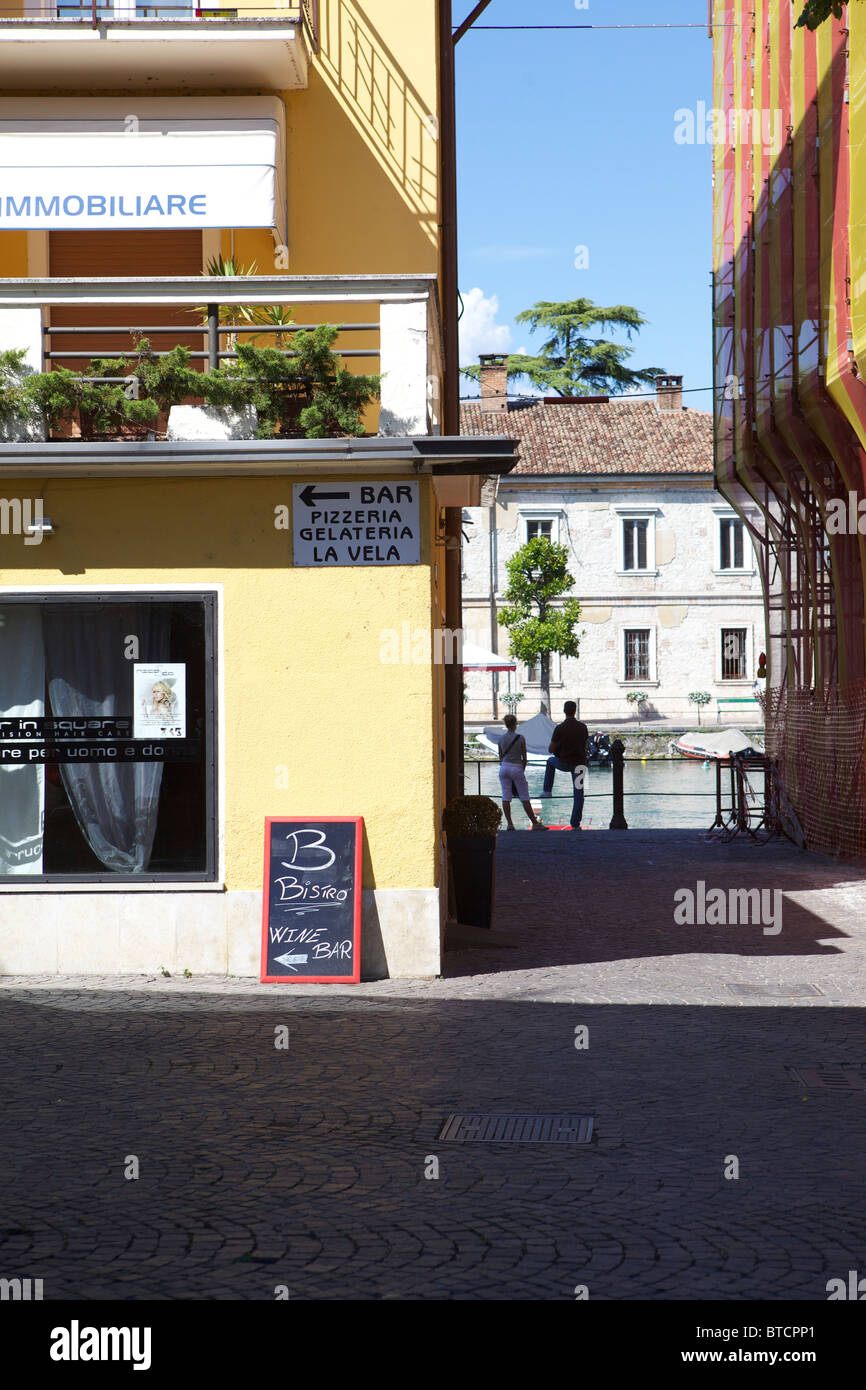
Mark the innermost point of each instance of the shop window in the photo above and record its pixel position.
(107, 738)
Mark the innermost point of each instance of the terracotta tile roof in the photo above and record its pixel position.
(620, 437)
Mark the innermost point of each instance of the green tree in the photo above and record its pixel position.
(816, 11)
(537, 576)
(573, 362)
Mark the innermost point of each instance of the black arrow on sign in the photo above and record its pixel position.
(313, 498)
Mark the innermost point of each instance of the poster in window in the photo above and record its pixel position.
(159, 700)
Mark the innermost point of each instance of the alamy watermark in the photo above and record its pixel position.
(846, 517)
(20, 1290)
(735, 126)
(713, 907)
(419, 646)
(22, 516)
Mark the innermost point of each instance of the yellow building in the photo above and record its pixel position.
(267, 607)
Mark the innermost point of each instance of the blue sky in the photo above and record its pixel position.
(566, 140)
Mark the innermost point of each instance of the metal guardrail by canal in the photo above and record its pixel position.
(617, 791)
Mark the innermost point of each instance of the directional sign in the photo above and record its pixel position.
(356, 523)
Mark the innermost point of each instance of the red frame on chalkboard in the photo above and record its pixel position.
(355, 977)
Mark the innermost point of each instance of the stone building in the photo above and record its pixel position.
(663, 565)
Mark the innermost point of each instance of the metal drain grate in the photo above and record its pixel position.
(794, 991)
(832, 1076)
(517, 1129)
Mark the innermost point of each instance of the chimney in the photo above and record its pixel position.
(669, 393)
(494, 380)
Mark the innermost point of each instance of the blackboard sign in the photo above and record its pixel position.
(311, 914)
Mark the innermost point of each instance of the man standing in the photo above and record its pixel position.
(568, 747)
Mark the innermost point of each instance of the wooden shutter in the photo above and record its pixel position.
(77, 254)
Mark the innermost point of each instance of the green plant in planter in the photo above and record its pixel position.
(230, 313)
(512, 699)
(639, 698)
(699, 698)
(16, 404)
(471, 816)
(308, 395)
(276, 319)
(168, 380)
(103, 407)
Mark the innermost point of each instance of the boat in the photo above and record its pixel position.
(708, 747)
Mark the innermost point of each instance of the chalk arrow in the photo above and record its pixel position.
(291, 961)
(313, 498)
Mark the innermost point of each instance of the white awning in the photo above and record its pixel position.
(143, 164)
(477, 658)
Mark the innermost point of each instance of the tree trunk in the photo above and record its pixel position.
(545, 684)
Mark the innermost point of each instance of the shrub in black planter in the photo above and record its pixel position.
(471, 823)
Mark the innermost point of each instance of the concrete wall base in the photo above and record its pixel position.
(83, 933)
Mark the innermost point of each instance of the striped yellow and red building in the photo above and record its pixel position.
(789, 111)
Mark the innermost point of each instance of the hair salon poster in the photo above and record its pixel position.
(159, 700)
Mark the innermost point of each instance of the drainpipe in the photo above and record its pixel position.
(494, 626)
(450, 389)
(451, 372)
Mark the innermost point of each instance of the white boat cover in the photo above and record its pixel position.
(717, 745)
(537, 731)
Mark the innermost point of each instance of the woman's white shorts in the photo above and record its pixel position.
(512, 776)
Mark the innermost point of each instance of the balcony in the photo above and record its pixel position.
(122, 46)
(386, 324)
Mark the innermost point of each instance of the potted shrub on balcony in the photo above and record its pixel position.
(309, 395)
(99, 409)
(21, 420)
(471, 824)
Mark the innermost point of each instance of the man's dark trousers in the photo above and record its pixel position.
(555, 765)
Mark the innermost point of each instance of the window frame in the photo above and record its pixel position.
(748, 653)
(723, 514)
(551, 514)
(648, 514)
(212, 875)
(652, 678)
(555, 673)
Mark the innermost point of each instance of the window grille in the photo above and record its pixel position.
(637, 654)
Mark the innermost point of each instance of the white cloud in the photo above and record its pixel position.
(479, 331)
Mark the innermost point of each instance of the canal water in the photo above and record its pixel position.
(659, 793)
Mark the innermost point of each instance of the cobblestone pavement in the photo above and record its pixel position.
(306, 1167)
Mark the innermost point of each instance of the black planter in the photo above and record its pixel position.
(473, 865)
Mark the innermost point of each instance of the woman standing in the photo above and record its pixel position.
(512, 773)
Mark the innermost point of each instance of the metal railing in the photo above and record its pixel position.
(95, 12)
(213, 329)
(403, 343)
(618, 710)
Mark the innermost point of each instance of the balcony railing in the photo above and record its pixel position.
(128, 11)
(110, 45)
(394, 328)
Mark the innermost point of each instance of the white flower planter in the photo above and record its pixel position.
(192, 422)
(29, 431)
